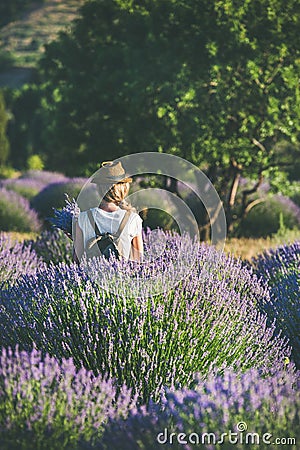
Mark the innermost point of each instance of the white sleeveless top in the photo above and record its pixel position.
(109, 222)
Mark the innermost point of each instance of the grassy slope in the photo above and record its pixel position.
(24, 39)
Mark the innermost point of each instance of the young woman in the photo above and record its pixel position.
(113, 187)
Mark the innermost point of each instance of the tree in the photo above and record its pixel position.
(25, 126)
(214, 82)
(4, 143)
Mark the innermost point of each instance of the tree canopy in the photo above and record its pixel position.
(216, 82)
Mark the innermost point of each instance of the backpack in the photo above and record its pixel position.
(105, 244)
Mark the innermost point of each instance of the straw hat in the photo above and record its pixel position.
(111, 172)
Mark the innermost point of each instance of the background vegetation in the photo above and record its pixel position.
(213, 82)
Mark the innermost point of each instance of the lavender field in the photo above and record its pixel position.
(211, 362)
(188, 111)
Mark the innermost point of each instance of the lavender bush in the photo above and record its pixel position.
(26, 187)
(49, 405)
(208, 320)
(280, 269)
(16, 214)
(53, 247)
(53, 195)
(16, 259)
(247, 407)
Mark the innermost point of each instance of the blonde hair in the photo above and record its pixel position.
(115, 194)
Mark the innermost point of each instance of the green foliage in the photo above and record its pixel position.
(8, 172)
(6, 60)
(155, 218)
(4, 143)
(25, 191)
(208, 80)
(23, 138)
(35, 162)
(296, 195)
(53, 196)
(213, 82)
(11, 10)
(267, 218)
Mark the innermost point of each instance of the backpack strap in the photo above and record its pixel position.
(123, 223)
(93, 223)
(121, 227)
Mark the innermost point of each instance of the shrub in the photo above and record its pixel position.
(16, 259)
(53, 247)
(150, 340)
(34, 162)
(155, 218)
(8, 172)
(264, 219)
(163, 204)
(247, 407)
(53, 196)
(45, 404)
(280, 269)
(16, 214)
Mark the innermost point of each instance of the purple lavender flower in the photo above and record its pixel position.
(43, 399)
(280, 270)
(16, 259)
(53, 247)
(27, 187)
(16, 214)
(209, 320)
(63, 218)
(44, 176)
(222, 404)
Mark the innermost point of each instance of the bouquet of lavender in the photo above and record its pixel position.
(63, 217)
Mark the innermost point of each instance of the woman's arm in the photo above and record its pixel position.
(137, 248)
(78, 247)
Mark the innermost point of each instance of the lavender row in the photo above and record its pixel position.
(16, 259)
(16, 214)
(45, 404)
(280, 270)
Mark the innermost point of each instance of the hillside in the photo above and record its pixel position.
(22, 41)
